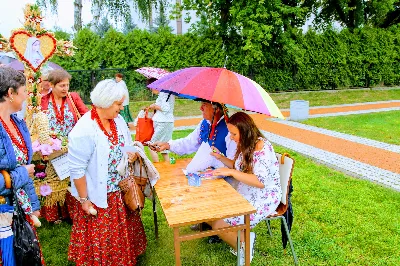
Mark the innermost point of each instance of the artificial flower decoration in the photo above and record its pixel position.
(41, 175)
(46, 149)
(45, 190)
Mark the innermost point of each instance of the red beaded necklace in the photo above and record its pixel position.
(59, 115)
(113, 136)
(20, 144)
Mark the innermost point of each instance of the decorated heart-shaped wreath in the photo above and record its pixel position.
(32, 49)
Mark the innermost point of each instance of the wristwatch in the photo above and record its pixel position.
(83, 200)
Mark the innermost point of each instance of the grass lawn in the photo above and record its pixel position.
(184, 107)
(383, 126)
(339, 220)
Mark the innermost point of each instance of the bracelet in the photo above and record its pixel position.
(83, 200)
(7, 178)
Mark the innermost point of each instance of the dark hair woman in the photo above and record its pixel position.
(63, 111)
(255, 169)
(15, 153)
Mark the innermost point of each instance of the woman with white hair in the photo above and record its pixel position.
(115, 236)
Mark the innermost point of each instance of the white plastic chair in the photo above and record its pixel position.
(286, 165)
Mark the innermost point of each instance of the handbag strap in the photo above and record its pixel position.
(141, 166)
(78, 115)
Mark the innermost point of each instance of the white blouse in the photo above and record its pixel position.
(166, 114)
(190, 143)
(88, 151)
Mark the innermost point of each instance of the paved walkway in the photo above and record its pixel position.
(359, 157)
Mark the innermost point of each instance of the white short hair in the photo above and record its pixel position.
(106, 93)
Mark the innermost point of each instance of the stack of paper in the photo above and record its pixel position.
(203, 160)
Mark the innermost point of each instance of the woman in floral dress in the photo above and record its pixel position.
(255, 169)
(63, 109)
(115, 236)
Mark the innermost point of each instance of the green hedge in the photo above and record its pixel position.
(295, 61)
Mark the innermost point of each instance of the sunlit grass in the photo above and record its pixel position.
(383, 126)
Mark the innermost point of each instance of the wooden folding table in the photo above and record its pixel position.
(184, 205)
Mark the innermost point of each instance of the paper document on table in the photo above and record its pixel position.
(61, 166)
(203, 159)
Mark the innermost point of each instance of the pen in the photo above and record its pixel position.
(220, 153)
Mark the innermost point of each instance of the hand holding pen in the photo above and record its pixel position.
(216, 153)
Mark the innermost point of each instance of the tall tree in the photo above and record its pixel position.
(251, 25)
(119, 10)
(356, 13)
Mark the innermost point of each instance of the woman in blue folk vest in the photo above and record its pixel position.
(211, 129)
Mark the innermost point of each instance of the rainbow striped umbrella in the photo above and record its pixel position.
(218, 85)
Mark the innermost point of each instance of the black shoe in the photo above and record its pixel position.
(202, 226)
(195, 227)
(214, 239)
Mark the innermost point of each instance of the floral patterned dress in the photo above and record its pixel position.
(267, 199)
(22, 197)
(58, 212)
(60, 128)
(116, 235)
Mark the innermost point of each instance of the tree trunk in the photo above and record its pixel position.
(96, 12)
(77, 15)
(179, 20)
(150, 16)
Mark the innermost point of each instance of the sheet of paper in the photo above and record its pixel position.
(126, 149)
(203, 159)
(61, 166)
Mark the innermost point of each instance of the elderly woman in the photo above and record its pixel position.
(255, 169)
(15, 148)
(63, 110)
(115, 236)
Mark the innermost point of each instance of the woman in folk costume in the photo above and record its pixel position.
(15, 157)
(115, 236)
(63, 110)
(33, 53)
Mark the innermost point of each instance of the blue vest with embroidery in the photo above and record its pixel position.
(218, 140)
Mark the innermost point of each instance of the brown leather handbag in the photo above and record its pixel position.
(133, 187)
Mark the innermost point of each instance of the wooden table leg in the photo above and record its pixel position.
(247, 239)
(155, 214)
(177, 245)
(238, 249)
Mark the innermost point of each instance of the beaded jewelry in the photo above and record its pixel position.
(113, 135)
(59, 114)
(19, 143)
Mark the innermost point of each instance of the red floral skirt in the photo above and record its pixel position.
(114, 237)
(55, 212)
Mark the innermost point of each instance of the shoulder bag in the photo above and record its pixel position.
(133, 187)
(26, 244)
(144, 128)
(78, 115)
